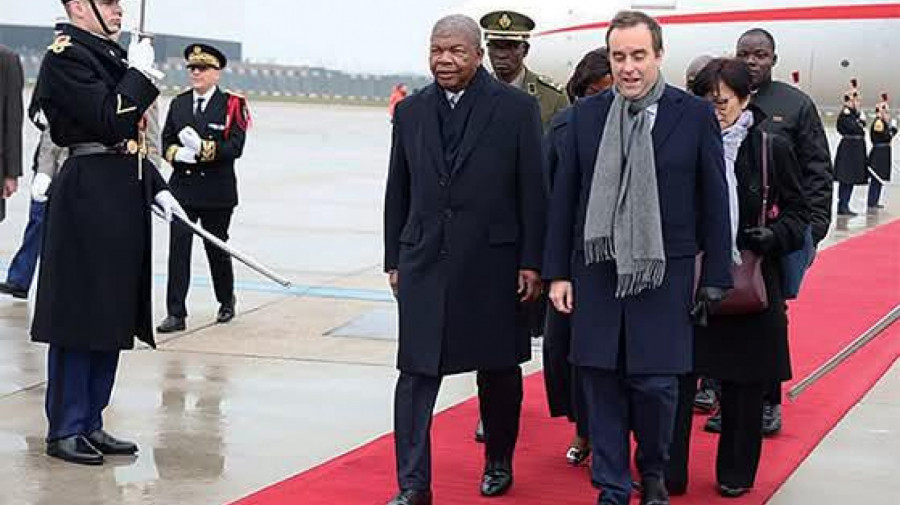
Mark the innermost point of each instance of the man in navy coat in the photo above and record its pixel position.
(640, 190)
(463, 240)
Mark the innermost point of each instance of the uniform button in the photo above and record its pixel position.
(187, 172)
(202, 174)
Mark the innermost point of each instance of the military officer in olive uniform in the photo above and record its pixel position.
(203, 135)
(507, 34)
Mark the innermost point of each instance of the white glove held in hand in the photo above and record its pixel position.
(190, 138)
(169, 205)
(186, 155)
(39, 186)
(141, 56)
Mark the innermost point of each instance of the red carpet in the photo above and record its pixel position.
(851, 286)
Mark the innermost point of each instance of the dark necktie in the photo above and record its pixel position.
(199, 109)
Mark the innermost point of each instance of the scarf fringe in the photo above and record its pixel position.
(648, 274)
(599, 249)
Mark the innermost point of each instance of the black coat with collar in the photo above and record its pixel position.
(693, 200)
(459, 234)
(211, 182)
(94, 289)
(754, 347)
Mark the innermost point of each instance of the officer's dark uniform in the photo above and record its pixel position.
(94, 288)
(850, 159)
(208, 189)
(881, 134)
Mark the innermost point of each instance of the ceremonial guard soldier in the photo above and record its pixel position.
(507, 34)
(850, 160)
(882, 133)
(94, 287)
(203, 135)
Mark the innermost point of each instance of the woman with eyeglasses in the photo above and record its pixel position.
(748, 351)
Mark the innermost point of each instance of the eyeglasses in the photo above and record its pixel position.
(198, 68)
(720, 101)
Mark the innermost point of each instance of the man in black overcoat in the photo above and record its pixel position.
(463, 224)
(94, 288)
(11, 114)
(850, 159)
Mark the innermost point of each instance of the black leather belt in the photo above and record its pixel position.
(91, 148)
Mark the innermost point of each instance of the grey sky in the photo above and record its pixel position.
(356, 35)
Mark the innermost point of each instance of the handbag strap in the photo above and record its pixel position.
(765, 179)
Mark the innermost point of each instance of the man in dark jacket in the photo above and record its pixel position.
(624, 228)
(94, 287)
(11, 114)
(793, 115)
(850, 159)
(463, 237)
(203, 135)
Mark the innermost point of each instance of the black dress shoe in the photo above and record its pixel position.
(771, 421)
(13, 290)
(411, 497)
(108, 444)
(714, 423)
(75, 449)
(225, 314)
(654, 492)
(497, 478)
(846, 212)
(732, 491)
(577, 455)
(171, 324)
(479, 432)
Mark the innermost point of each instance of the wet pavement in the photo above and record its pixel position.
(301, 375)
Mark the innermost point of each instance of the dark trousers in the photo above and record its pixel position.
(874, 192)
(79, 385)
(679, 450)
(845, 192)
(740, 443)
(181, 238)
(618, 404)
(500, 400)
(21, 270)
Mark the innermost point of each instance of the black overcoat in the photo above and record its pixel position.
(880, 158)
(459, 234)
(211, 182)
(94, 289)
(850, 159)
(693, 199)
(754, 348)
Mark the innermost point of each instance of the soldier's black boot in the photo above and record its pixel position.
(108, 444)
(75, 449)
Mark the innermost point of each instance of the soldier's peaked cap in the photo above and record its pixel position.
(203, 55)
(506, 25)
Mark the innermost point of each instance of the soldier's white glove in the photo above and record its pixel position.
(39, 186)
(894, 123)
(141, 56)
(168, 206)
(190, 138)
(186, 155)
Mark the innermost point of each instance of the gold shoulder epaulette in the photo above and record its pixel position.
(60, 44)
(546, 81)
(878, 127)
(846, 110)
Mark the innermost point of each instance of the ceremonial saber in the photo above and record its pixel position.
(231, 251)
(845, 353)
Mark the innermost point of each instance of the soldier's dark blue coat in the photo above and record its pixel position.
(95, 285)
(694, 206)
(458, 233)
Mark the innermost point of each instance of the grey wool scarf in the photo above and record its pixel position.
(623, 222)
